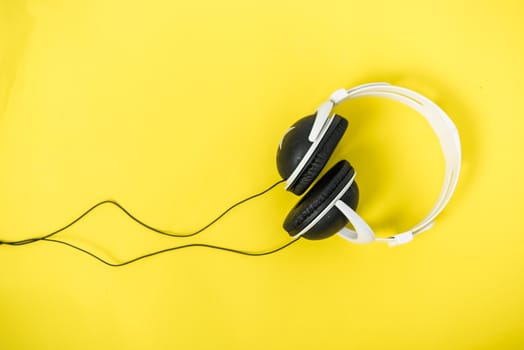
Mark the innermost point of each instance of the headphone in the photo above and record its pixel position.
(331, 203)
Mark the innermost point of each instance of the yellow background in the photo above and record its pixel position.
(176, 109)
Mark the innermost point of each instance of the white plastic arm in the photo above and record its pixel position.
(449, 140)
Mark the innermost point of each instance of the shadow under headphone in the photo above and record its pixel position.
(331, 203)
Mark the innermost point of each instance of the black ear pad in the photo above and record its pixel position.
(295, 144)
(318, 198)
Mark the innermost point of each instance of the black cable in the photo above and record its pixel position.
(231, 250)
(140, 222)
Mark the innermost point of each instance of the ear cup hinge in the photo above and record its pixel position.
(362, 233)
(401, 238)
(323, 112)
(338, 96)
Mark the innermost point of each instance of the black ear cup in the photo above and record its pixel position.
(295, 144)
(319, 198)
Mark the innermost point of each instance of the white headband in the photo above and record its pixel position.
(442, 126)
